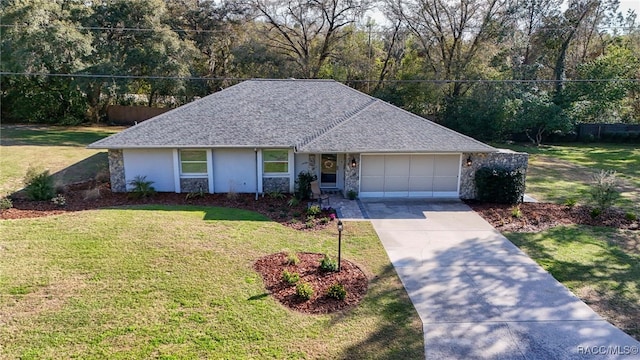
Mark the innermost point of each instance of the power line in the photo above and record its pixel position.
(435, 81)
(104, 28)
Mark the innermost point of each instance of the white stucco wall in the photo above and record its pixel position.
(235, 170)
(155, 164)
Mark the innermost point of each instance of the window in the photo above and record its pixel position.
(275, 161)
(193, 162)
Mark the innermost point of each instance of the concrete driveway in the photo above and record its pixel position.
(479, 296)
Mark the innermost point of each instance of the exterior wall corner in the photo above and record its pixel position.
(116, 170)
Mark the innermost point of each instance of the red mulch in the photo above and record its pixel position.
(350, 276)
(93, 195)
(536, 217)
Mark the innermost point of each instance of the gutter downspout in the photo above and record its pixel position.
(255, 150)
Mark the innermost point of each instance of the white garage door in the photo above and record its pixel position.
(409, 175)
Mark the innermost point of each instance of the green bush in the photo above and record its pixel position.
(314, 210)
(304, 290)
(500, 185)
(5, 203)
(603, 189)
(328, 264)
(352, 194)
(631, 216)
(516, 212)
(141, 187)
(293, 202)
(303, 185)
(290, 277)
(292, 259)
(276, 194)
(39, 185)
(570, 202)
(337, 291)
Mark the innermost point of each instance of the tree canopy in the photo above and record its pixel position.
(488, 68)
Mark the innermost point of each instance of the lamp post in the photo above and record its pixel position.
(339, 242)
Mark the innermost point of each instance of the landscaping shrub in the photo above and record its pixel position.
(570, 202)
(352, 194)
(39, 185)
(314, 210)
(59, 200)
(328, 264)
(631, 216)
(290, 277)
(141, 187)
(500, 185)
(303, 185)
(603, 189)
(304, 290)
(5, 203)
(292, 259)
(294, 201)
(276, 194)
(337, 291)
(516, 212)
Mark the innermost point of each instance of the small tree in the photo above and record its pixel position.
(604, 190)
(538, 115)
(303, 184)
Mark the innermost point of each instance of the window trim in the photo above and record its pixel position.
(198, 174)
(276, 174)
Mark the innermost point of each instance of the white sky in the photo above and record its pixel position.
(630, 4)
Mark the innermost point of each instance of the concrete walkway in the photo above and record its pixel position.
(479, 296)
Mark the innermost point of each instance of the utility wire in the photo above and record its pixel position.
(104, 28)
(444, 81)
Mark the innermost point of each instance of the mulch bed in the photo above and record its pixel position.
(95, 195)
(534, 217)
(350, 276)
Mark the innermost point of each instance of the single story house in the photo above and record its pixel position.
(258, 135)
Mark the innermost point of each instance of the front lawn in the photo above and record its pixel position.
(177, 282)
(599, 265)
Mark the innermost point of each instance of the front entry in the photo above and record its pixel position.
(328, 170)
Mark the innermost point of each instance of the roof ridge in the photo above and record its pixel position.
(349, 114)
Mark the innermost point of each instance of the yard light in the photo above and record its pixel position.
(339, 242)
(469, 162)
(353, 162)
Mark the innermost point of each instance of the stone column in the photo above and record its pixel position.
(116, 170)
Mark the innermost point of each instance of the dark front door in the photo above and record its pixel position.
(328, 170)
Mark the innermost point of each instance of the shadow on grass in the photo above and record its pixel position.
(83, 170)
(397, 337)
(15, 135)
(211, 213)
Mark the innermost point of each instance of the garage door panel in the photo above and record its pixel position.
(372, 165)
(445, 183)
(372, 184)
(422, 165)
(396, 183)
(446, 165)
(397, 165)
(421, 183)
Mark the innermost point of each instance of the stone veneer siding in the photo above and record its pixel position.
(116, 171)
(503, 158)
(351, 174)
(279, 184)
(188, 185)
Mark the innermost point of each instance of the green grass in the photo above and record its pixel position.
(61, 150)
(177, 282)
(559, 172)
(600, 265)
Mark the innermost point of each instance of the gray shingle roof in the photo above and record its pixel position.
(311, 115)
